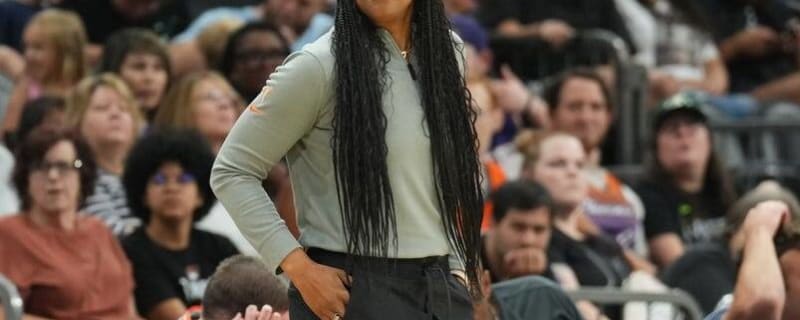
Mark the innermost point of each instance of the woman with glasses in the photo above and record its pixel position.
(166, 178)
(66, 265)
(203, 101)
(206, 102)
(251, 55)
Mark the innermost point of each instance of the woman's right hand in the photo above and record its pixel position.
(324, 289)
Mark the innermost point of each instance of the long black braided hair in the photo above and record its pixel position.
(359, 126)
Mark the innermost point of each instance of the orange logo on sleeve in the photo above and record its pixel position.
(264, 92)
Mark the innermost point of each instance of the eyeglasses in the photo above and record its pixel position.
(161, 179)
(218, 96)
(61, 167)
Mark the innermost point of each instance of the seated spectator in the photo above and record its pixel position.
(577, 258)
(166, 178)
(580, 104)
(708, 272)
(106, 114)
(206, 102)
(251, 54)
(516, 245)
(54, 61)
(300, 21)
(240, 282)
(765, 227)
(203, 101)
(45, 112)
(529, 297)
(758, 42)
(555, 22)
(65, 265)
(105, 17)
(140, 58)
(687, 192)
(686, 57)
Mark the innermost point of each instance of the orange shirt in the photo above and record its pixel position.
(496, 177)
(80, 274)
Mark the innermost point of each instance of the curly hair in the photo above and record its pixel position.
(359, 127)
(187, 148)
(32, 152)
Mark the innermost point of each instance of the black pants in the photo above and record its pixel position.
(394, 289)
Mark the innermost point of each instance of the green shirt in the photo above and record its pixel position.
(292, 118)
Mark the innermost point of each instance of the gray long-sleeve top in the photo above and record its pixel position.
(292, 118)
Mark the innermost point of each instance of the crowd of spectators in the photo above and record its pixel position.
(113, 110)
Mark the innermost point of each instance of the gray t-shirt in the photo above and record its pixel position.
(533, 297)
(292, 118)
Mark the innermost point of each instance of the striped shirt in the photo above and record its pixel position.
(109, 204)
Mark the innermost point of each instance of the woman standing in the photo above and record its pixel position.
(375, 124)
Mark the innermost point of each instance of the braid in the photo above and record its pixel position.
(446, 102)
(359, 123)
(359, 126)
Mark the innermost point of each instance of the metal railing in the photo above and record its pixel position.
(763, 136)
(616, 296)
(10, 300)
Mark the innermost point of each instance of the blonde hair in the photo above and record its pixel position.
(79, 97)
(176, 108)
(65, 31)
(529, 143)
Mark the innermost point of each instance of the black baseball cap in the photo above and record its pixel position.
(685, 104)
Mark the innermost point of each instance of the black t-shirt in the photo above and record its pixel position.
(580, 14)
(730, 17)
(162, 274)
(101, 18)
(548, 273)
(707, 272)
(596, 261)
(693, 217)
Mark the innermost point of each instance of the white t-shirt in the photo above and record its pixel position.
(682, 50)
(218, 221)
(9, 202)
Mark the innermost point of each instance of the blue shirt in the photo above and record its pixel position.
(319, 24)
